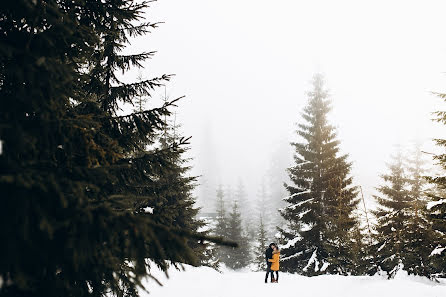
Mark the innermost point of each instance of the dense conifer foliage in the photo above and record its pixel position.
(88, 203)
(404, 237)
(260, 246)
(322, 199)
(239, 257)
(392, 214)
(437, 208)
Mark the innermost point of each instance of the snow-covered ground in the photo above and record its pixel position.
(209, 283)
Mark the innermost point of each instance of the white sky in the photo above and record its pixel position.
(245, 65)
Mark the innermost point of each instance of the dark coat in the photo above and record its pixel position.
(268, 255)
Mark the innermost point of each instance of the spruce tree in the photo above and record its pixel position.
(436, 215)
(260, 246)
(364, 238)
(437, 207)
(418, 231)
(155, 175)
(81, 184)
(392, 214)
(319, 212)
(359, 252)
(237, 257)
(221, 226)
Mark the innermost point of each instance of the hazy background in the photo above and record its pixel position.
(245, 66)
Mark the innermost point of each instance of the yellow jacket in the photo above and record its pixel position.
(275, 261)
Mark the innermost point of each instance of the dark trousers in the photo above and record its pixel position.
(268, 271)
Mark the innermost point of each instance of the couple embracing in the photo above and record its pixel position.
(272, 255)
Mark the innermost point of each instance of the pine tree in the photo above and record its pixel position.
(77, 178)
(437, 208)
(237, 257)
(418, 232)
(436, 215)
(155, 176)
(319, 212)
(359, 252)
(260, 247)
(221, 227)
(393, 213)
(366, 261)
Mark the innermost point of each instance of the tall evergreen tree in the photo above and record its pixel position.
(221, 227)
(237, 257)
(436, 215)
(418, 232)
(156, 174)
(364, 238)
(260, 246)
(361, 260)
(322, 199)
(77, 179)
(437, 207)
(392, 213)
(404, 238)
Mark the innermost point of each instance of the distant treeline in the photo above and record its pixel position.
(326, 227)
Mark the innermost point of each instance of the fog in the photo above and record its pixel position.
(245, 66)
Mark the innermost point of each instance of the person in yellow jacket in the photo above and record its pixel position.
(275, 263)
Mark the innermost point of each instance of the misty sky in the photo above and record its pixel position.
(245, 66)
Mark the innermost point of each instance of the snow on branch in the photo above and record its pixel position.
(296, 194)
(435, 203)
(293, 206)
(148, 209)
(292, 242)
(437, 251)
(304, 163)
(381, 247)
(292, 256)
(312, 260)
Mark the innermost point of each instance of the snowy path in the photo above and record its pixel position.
(208, 283)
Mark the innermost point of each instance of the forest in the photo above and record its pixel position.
(98, 186)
